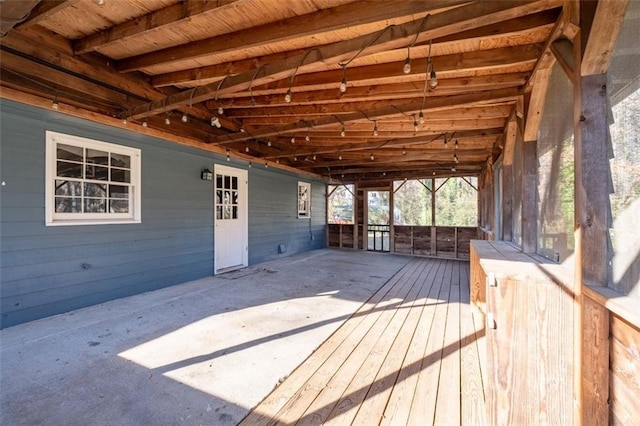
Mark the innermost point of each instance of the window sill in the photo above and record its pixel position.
(92, 222)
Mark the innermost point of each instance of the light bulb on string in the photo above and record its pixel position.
(343, 133)
(220, 110)
(421, 118)
(372, 157)
(184, 118)
(375, 128)
(145, 124)
(293, 139)
(167, 121)
(407, 65)
(415, 124)
(287, 97)
(246, 148)
(433, 82)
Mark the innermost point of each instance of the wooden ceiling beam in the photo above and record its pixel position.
(495, 34)
(165, 18)
(462, 18)
(446, 86)
(496, 96)
(367, 75)
(13, 13)
(45, 9)
(344, 16)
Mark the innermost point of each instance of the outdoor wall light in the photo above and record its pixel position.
(206, 174)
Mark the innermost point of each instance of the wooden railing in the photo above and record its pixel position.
(440, 241)
(530, 304)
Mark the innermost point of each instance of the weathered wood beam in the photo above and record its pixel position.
(412, 107)
(451, 21)
(165, 18)
(44, 10)
(562, 49)
(345, 16)
(534, 104)
(600, 35)
(547, 59)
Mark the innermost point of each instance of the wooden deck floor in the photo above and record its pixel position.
(411, 355)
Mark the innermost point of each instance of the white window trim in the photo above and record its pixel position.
(63, 219)
(301, 213)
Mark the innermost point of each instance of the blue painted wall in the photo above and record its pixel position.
(50, 270)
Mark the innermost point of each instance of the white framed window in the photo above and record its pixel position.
(304, 199)
(89, 182)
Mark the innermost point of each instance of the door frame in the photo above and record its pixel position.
(243, 213)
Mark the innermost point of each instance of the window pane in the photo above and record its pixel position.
(120, 175)
(227, 182)
(65, 169)
(95, 190)
(95, 205)
(97, 157)
(218, 181)
(234, 182)
(68, 152)
(121, 160)
(118, 191)
(68, 205)
(340, 204)
(456, 202)
(66, 187)
(119, 206)
(412, 202)
(96, 172)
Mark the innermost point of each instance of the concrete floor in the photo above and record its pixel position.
(200, 353)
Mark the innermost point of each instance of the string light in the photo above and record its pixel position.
(145, 124)
(269, 143)
(295, 158)
(54, 104)
(287, 97)
(340, 157)
(372, 157)
(293, 139)
(421, 118)
(220, 110)
(246, 148)
(277, 161)
(266, 166)
(167, 121)
(343, 83)
(404, 151)
(184, 118)
(375, 128)
(453, 169)
(343, 133)
(455, 158)
(314, 157)
(432, 75)
(445, 141)
(228, 158)
(407, 62)
(215, 121)
(250, 165)
(215, 98)
(253, 101)
(415, 124)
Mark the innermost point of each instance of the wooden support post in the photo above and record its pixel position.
(529, 191)
(392, 234)
(433, 217)
(591, 210)
(507, 180)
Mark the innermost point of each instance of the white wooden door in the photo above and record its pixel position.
(231, 224)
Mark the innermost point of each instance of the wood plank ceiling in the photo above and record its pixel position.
(269, 74)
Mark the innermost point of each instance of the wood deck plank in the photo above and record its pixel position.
(399, 405)
(472, 397)
(266, 411)
(377, 398)
(423, 407)
(448, 401)
(410, 355)
(312, 403)
(345, 408)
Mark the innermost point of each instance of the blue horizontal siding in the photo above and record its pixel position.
(49, 270)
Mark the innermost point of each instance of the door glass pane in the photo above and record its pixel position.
(218, 196)
(234, 212)
(234, 200)
(218, 181)
(219, 212)
(234, 182)
(227, 182)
